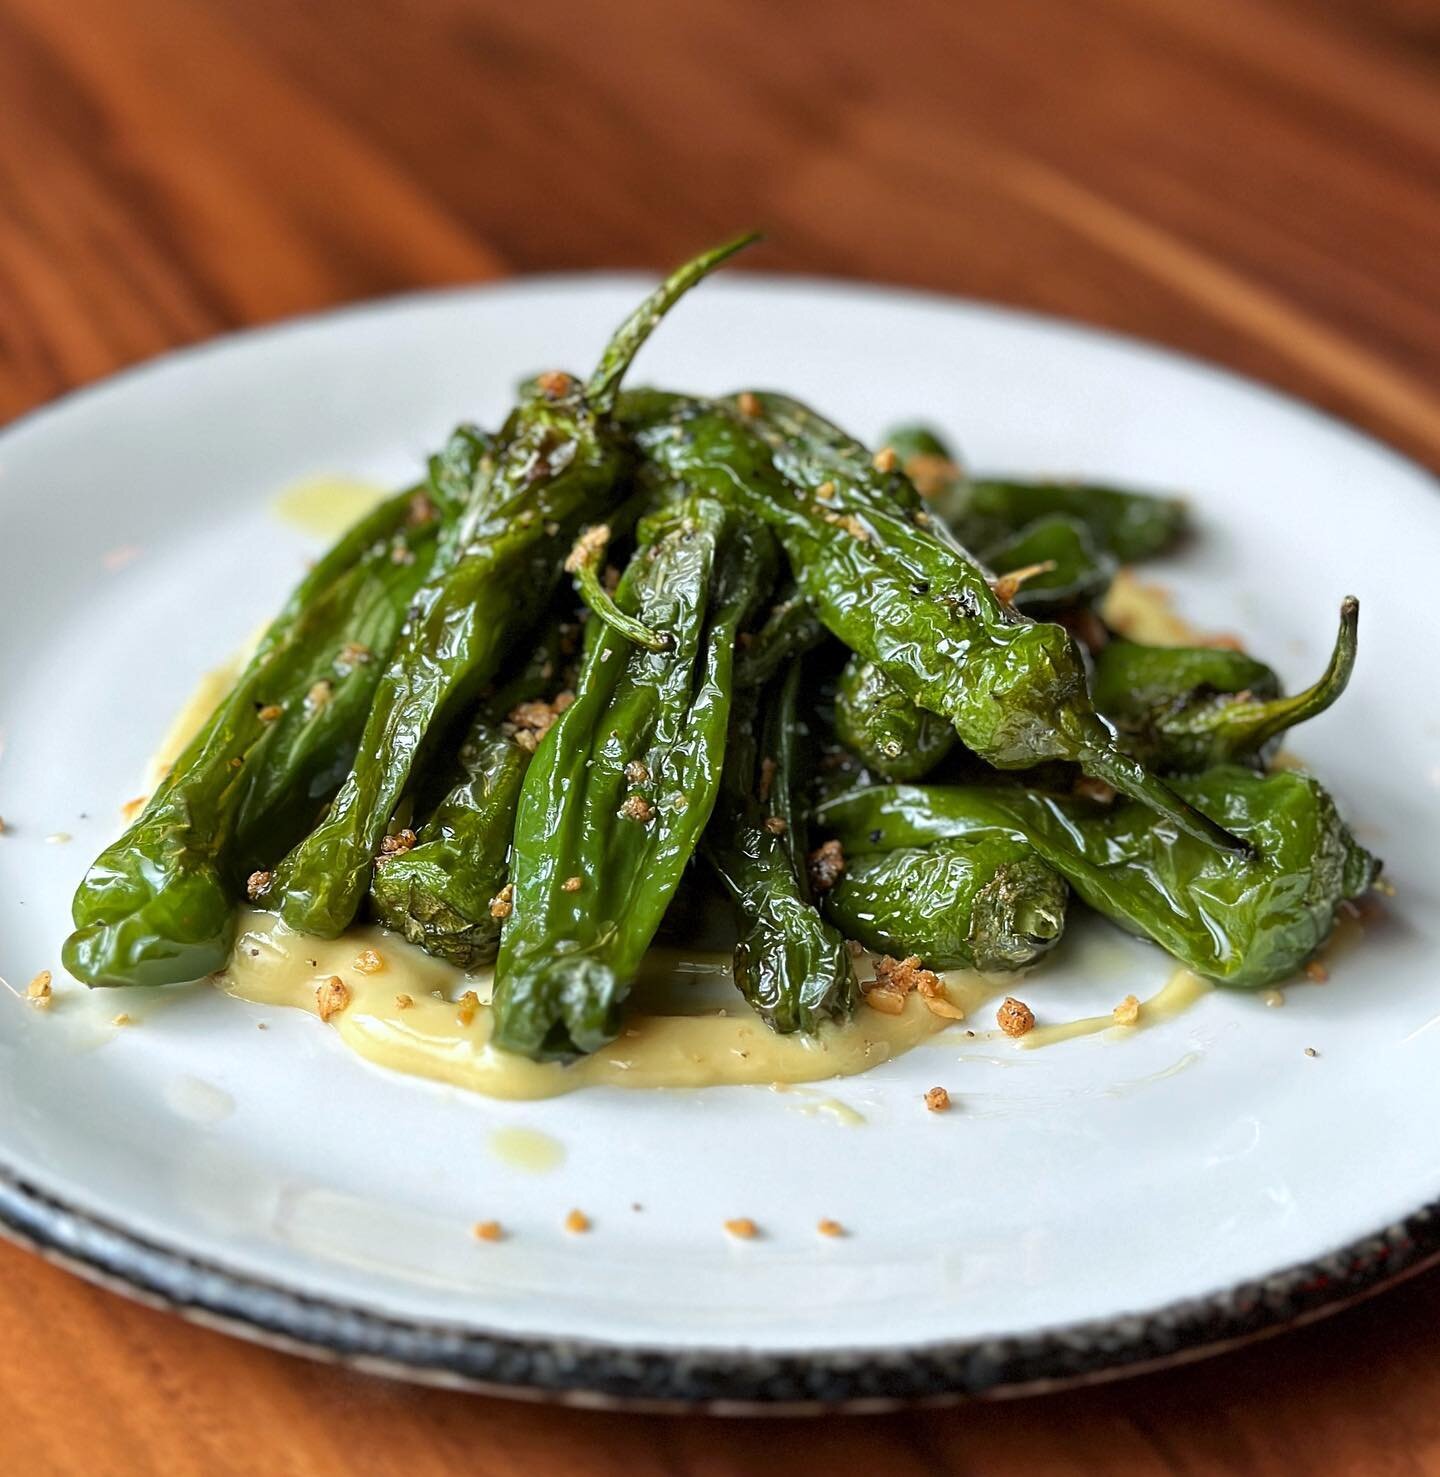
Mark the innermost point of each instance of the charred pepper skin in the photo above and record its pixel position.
(985, 902)
(620, 789)
(790, 964)
(891, 583)
(159, 904)
(558, 463)
(1245, 925)
(882, 727)
(1183, 709)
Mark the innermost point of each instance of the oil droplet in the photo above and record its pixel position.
(527, 1149)
(197, 1100)
(326, 505)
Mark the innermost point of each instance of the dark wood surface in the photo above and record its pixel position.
(1255, 181)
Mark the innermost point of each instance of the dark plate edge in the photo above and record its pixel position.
(724, 1381)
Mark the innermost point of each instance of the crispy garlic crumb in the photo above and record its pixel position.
(503, 904)
(256, 884)
(1274, 998)
(886, 999)
(577, 1222)
(270, 712)
(331, 997)
(775, 824)
(397, 844)
(942, 1005)
(850, 523)
(748, 403)
(367, 961)
(404, 1002)
(768, 768)
(855, 947)
(590, 545)
(827, 1227)
(1316, 972)
(637, 808)
(937, 1100)
(1014, 1017)
(1384, 886)
(1127, 1013)
(466, 1007)
(825, 491)
(743, 1228)
(2, 825)
(827, 865)
(353, 654)
(319, 695)
(132, 808)
(907, 974)
(572, 884)
(637, 772)
(488, 1231)
(885, 459)
(1089, 788)
(39, 991)
(419, 510)
(930, 473)
(400, 552)
(123, 1019)
(527, 723)
(555, 383)
(1310, 1051)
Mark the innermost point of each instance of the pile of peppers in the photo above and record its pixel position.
(633, 639)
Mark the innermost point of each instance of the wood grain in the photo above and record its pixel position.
(1255, 181)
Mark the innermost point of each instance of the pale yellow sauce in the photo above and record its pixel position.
(1180, 992)
(527, 1149)
(326, 505)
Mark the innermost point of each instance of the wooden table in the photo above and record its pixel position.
(1251, 180)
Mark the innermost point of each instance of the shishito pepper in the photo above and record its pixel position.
(984, 511)
(876, 721)
(985, 902)
(887, 579)
(1247, 923)
(1053, 563)
(158, 906)
(790, 964)
(622, 786)
(558, 462)
(1181, 708)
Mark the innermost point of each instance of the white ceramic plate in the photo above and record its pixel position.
(1087, 1207)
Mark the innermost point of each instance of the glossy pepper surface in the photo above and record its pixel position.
(880, 725)
(1189, 707)
(1247, 924)
(622, 786)
(983, 902)
(887, 579)
(158, 906)
(1061, 564)
(790, 964)
(557, 464)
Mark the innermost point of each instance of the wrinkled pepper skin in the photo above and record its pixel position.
(159, 904)
(984, 902)
(558, 463)
(438, 894)
(791, 966)
(1183, 709)
(1081, 574)
(881, 726)
(1245, 924)
(621, 787)
(791, 628)
(886, 578)
(985, 511)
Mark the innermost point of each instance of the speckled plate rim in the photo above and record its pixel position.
(738, 1381)
(717, 1381)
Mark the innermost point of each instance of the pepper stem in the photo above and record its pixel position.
(1131, 778)
(604, 385)
(584, 563)
(1260, 722)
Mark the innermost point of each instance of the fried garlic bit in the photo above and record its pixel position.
(937, 1100)
(743, 1228)
(588, 548)
(256, 885)
(331, 997)
(1127, 1013)
(826, 1227)
(488, 1231)
(577, 1222)
(39, 992)
(368, 961)
(826, 865)
(1014, 1017)
(503, 904)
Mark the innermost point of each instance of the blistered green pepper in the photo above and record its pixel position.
(878, 723)
(792, 966)
(791, 628)
(887, 579)
(984, 902)
(158, 906)
(1180, 708)
(558, 463)
(1054, 564)
(986, 511)
(1244, 923)
(622, 786)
